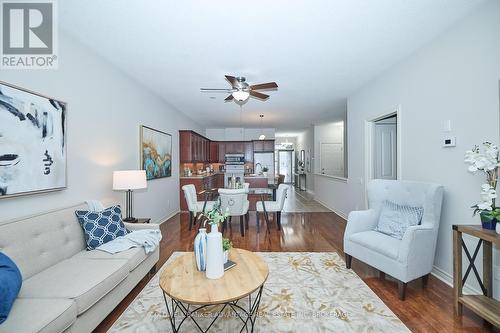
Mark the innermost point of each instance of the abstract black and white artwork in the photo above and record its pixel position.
(32, 142)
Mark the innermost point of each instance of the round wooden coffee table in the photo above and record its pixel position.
(190, 291)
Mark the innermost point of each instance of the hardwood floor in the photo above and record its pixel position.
(427, 309)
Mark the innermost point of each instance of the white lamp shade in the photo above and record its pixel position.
(129, 180)
(241, 95)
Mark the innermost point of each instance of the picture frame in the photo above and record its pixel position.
(155, 153)
(33, 142)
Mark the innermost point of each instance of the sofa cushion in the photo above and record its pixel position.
(41, 315)
(394, 219)
(10, 284)
(134, 256)
(378, 242)
(85, 281)
(101, 227)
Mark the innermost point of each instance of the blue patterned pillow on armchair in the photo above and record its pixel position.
(395, 219)
(101, 227)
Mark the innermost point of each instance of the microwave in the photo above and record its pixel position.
(234, 159)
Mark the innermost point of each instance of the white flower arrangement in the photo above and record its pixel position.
(488, 162)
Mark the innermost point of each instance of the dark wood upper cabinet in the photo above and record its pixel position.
(214, 152)
(263, 146)
(222, 152)
(268, 145)
(195, 148)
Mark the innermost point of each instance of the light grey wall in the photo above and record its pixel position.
(105, 109)
(455, 78)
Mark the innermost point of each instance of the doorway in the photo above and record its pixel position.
(385, 148)
(383, 153)
(285, 164)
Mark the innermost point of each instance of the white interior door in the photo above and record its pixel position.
(385, 151)
(285, 164)
(332, 159)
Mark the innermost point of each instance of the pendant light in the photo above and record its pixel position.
(262, 136)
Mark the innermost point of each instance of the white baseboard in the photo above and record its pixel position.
(311, 192)
(165, 218)
(342, 215)
(448, 279)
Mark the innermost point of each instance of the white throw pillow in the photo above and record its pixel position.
(395, 219)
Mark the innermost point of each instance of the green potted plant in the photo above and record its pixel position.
(226, 246)
(264, 171)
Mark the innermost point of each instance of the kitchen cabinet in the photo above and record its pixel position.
(194, 148)
(263, 146)
(222, 152)
(213, 152)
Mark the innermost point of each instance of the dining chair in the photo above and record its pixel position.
(195, 206)
(235, 203)
(273, 206)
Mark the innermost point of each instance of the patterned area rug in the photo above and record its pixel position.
(305, 292)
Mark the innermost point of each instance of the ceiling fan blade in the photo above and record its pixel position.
(216, 90)
(258, 94)
(228, 98)
(269, 85)
(231, 79)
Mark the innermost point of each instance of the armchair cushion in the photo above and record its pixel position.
(394, 219)
(378, 242)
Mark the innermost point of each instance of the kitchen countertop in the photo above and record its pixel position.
(196, 176)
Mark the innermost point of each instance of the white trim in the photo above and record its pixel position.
(448, 279)
(369, 129)
(342, 215)
(166, 218)
(342, 179)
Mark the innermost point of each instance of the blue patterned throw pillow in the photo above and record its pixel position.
(395, 219)
(10, 284)
(101, 227)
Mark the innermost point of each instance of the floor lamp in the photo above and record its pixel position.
(129, 180)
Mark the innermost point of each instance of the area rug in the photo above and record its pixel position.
(305, 292)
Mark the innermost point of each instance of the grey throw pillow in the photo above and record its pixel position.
(395, 219)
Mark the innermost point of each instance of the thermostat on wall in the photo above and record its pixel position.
(450, 141)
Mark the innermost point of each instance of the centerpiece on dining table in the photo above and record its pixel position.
(208, 248)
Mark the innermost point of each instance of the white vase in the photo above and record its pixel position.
(264, 173)
(215, 263)
(200, 249)
(226, 256)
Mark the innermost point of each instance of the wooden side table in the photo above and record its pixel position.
(483, 305)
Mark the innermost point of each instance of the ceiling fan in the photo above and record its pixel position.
(240, 90)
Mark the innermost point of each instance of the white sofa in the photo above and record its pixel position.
(409, 258)
(66, 288)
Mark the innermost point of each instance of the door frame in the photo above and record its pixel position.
(369, 143)
(277, 172)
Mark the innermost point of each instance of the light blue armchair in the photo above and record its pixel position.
(411, 257)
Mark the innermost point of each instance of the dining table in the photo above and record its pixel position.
(261, 192)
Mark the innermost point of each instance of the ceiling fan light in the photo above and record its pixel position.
(241, 95)
(262, 137)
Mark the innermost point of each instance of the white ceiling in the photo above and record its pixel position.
(317, 51)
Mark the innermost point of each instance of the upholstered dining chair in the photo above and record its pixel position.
(273, 206)
(195, 206)
(405, 259)
(235, 203)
